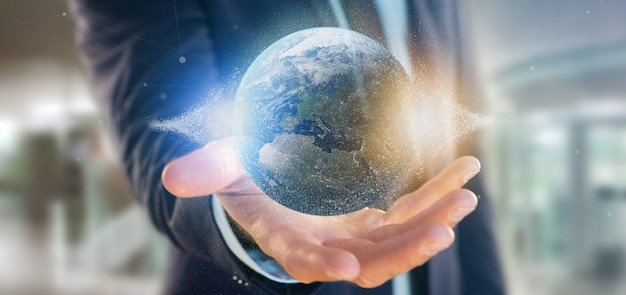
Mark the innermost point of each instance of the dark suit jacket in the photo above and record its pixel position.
(131, 50)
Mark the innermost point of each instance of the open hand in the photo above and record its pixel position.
(366, 247)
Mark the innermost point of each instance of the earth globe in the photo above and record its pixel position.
(317, 122)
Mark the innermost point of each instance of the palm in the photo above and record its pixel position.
(367, 247)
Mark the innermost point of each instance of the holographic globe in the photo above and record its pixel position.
(317, 124)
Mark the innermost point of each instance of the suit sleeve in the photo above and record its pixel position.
(132, 57)
(152, 60)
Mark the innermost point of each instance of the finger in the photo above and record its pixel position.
(452, 177)
(313, 262)
(306, 259)
(387, 259)
(448, 211)
(204, 171)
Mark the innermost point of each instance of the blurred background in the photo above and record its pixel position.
(68, 224)
(552, 73)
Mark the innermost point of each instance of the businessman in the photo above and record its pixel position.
(156, 59)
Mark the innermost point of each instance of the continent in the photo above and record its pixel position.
(325, 137)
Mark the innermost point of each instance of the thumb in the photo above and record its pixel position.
(204, 171)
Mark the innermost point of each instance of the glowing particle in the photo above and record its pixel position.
(145, 84)
(532, 68)
(182, 59)
(64, 13)
(587, 12)
(426, 125)
(205, 122)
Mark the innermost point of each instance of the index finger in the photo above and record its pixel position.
(454, 176)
